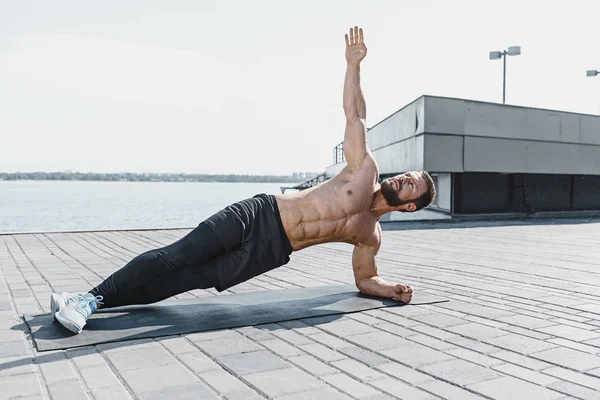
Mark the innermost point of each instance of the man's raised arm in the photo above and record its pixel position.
(355, 139)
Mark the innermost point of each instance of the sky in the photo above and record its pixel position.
(255, 87)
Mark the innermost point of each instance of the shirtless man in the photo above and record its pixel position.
(256, 235)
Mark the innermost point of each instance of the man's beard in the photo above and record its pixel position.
(390, 194)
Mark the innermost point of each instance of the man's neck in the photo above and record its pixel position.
(379, 206)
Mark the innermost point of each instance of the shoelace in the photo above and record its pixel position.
(88, 304)
(77, 297)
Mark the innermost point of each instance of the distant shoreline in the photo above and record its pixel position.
(152, 177)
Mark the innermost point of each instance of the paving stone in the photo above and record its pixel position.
(12, 349)
(109, 348)
(186, 392)
(284, 381)
(377, 340)
(223, 382)
(112, 393)
(415, 355)
(526, 321)
(213, 335)
(448, 391)
(246, 394)
(342, 327)
(57, 369)
(410, 311)
(575, 377)
(322, 352)
(395, 319)
(364, 318)
(406, 374)
(489, 312)
(282, 348)
(365, 356)
(145, 357)
(9, 335)
(359, 370)
(525, 374)
(312, 365)
(198, 362)
(325, 394)
(253, 362)
(157, 378)
(569, 332)
(293, 337)
(528, 332)
(520, 344)
(439, 320)
(228, 345)
(70, 389)
(329, 340)
(20, 385)
(16, 366)
(350, 386)
(432, 342)
(396, 330)
(515, 389)
(401, 390)
(460, 372)
(573, 359)
(258, 335)
(474, 357)
(575, 390)
(99, 376)
(472, 344)
(477, 331)
(575, 345)
(85, 357)
(521, 360)
(177, 345)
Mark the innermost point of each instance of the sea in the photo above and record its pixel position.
(66, 206)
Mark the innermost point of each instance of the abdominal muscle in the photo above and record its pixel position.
(327, 213)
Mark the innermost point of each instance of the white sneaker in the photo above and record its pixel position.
(60, 301)
(75, 315)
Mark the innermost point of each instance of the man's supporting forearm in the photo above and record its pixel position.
(375, 286)
(354, 102)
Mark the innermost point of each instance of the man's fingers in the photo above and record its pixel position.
(361, 37)
(351, 36)
(347, 42)
(356, 35)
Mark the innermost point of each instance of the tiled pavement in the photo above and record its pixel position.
(523, 322)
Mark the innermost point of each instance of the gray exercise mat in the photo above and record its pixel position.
(177, 317)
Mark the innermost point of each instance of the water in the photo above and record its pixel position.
(55, 206)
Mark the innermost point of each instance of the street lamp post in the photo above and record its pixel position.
(496, 55)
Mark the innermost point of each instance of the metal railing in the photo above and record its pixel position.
(338, 153)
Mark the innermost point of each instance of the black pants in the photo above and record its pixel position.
(243, 240)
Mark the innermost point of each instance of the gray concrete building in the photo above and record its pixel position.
(491, 159)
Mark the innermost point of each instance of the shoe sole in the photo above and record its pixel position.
(67, 324)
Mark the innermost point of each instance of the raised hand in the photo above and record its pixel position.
(355, 46)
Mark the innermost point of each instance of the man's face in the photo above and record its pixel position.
(403, 189)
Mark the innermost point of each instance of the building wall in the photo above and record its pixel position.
(508, 139)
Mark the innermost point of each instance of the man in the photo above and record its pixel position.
(256, 235)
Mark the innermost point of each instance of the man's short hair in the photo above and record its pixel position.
(427, 197)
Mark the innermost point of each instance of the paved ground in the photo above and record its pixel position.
(523, 322)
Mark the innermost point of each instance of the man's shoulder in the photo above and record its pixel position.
(371, 238)
(368, 167)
